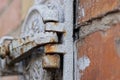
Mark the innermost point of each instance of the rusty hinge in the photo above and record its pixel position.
(44, 26)
(47, 28)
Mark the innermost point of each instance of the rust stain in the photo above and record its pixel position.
(20, 41)
(101, 49)
(51, 61)
(33, 43)
(21, 50)
(27, 38)
(52, 40)
(3, 51)
(65, 33)
(50, 48)
(55, 23)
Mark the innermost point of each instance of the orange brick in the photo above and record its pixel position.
(10, 19)
(10, 78)
(3, 4)
(103, 50)
(88, 9)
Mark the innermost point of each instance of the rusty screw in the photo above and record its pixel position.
(51, 61)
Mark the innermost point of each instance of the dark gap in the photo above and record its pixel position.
(60, 37)
(50, 21)
(75, 32)
(61, 63)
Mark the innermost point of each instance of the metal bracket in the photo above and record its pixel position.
(47, 25)
(41, 27)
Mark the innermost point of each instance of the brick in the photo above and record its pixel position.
(103, 52)
(10, 78)
(26, 4)
(89, 9)
(11, 18)
(3, 5)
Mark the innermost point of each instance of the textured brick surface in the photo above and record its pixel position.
(3, 5)
(88, 9)
(26, 4)
(103, 52)
(10, 19)
(10, 78)
(12, 13)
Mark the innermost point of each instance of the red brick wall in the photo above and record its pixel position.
(12, 13)
(89, 9)
(103, 50)
(10, 16)
(98, 46)
(10, 78)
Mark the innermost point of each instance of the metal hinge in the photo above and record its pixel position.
(44, 29)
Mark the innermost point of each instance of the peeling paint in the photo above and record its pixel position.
(117, 45)
(83, 63)
(83, 12)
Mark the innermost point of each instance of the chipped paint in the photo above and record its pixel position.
(104, 58)
(117, 45)
(83, 12)
(83, 63)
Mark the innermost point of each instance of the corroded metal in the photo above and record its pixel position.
(47, 26)
(20, 46)
(55, 27)
(54, 48)
(38, 39)
(51, 61)
(36, 33)
(4, 50)
(51, 12)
